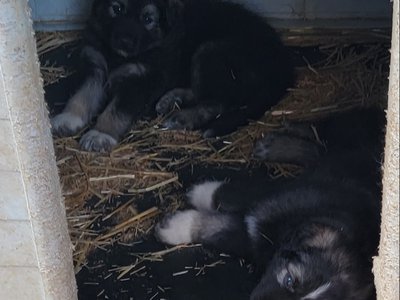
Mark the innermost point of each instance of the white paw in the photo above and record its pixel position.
(97, 141)
(180, 228)
(201, 195)
(66, 124)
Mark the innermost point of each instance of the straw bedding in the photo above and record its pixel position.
(104, 193)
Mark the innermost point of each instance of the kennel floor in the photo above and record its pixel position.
(114, 200)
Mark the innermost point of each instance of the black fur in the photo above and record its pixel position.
(312, 237)
(231, 64)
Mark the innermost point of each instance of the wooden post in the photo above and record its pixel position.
(35, 250)
(386, 265)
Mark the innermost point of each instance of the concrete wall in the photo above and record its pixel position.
(387, 264)
(35, 249)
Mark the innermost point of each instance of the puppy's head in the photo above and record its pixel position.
(132, 27)
(319, 267)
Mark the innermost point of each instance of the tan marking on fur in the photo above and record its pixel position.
(281, 276)
(113, 122)
(87, 101)
(323, 238)
(297, 271)
(127, 70)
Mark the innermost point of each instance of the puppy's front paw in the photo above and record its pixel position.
(97, 141)
(66, 124)
(167, 103)
(172, 98)
(179, 228)
(179, 121)
(262, 148)
(286, 148)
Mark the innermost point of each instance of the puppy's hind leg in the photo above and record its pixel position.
(214, 75)
(225, 74)
(227, 197)
(202, 195)
(223, 232)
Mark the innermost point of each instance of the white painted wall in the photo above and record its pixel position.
(71, 14)
(387, 264)
(35, 249)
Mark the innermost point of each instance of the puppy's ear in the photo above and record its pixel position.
(174, 11)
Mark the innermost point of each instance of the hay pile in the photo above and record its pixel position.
(102, 190)
(47, 42)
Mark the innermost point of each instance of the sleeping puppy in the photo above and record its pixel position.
(312, 237)
(221, 64)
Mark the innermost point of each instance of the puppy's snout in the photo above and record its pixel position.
(127, 43)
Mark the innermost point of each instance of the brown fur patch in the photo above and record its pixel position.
(323, 238)
(113, 121)
(87, 101)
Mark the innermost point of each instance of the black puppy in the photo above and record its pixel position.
(313, 237)
(218, 62)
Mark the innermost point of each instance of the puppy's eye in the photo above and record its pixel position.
(148, 20)
(289, 282)
(116, 9)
